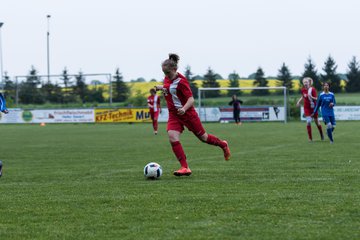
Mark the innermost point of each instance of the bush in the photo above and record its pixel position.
(139, 100)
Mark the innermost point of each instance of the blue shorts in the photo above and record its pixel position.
(329, 119)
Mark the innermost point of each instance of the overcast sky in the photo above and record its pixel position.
(136, 35)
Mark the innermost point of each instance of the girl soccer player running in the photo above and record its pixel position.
(179, 100)
(154, 108)
(308, 94)
(327, 102)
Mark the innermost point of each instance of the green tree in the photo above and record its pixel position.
(67, 91)
(198, 77)
(95, 95)
(29, 90)
(252, 75)
(311, 72)
(80, 88)
(9, 89)
(66, 78)
(52, 92)
(193, 86)
(260, 81)
(234, 82)
(353, 76)
(285, 79)
(121, 90)
(210, 82)
(331, 75)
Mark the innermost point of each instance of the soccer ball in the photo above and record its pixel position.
(152, 170)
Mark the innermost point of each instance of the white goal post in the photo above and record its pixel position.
(284, 91)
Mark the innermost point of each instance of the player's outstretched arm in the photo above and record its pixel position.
(298, 102)
(158, 87)
(318, 104)
(188, 104)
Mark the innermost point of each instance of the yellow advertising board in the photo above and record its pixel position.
(116, 115)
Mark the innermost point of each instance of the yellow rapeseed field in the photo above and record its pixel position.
(144, 87)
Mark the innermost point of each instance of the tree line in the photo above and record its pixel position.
(74, 89)
(285, 78)
(68, 89)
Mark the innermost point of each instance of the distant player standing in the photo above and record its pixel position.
(236, 103)
(308, 94)
(153, 102)
(327, 102)
(179, 100)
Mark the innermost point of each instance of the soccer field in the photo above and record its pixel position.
(85, 181)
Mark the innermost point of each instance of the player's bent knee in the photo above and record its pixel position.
(203, 137)
(329, 126)
(308, 120)
(174, 136)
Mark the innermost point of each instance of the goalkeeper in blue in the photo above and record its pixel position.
(3, 104)
(327, 102)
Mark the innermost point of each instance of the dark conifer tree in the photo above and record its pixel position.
(331, 75)
(353, 76)
(311, 72)
(80, 88)
(260, 81)
(189, 76)
(210, 82)
(285, 79)
(121, 90)
(29, 90)
(234, 82)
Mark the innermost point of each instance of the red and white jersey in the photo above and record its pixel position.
(309, 103)
(154, 101)
(176, 93)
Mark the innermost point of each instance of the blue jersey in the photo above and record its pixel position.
(324, 101)
(2, 103)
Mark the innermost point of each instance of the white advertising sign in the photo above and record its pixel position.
(49, 116)
(254, 113)
(341, 113)
(206, 115)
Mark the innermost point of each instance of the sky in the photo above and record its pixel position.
(135, 36)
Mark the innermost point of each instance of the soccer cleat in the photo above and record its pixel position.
(5, 111)
(226, 150)
(183, 172)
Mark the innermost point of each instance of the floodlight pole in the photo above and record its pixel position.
(16, 91)
(110, 90)
(1, 61)
(285, 104)
(48, 47)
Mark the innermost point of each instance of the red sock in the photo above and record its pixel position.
(308, 127)
(155, 125)
(213, 140)
(179, 153)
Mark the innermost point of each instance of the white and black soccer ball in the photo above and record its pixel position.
(152, 170)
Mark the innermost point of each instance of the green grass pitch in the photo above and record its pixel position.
(85, 181)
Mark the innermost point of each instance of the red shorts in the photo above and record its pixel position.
(154, 115)
(309, 111)
(190, 120)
